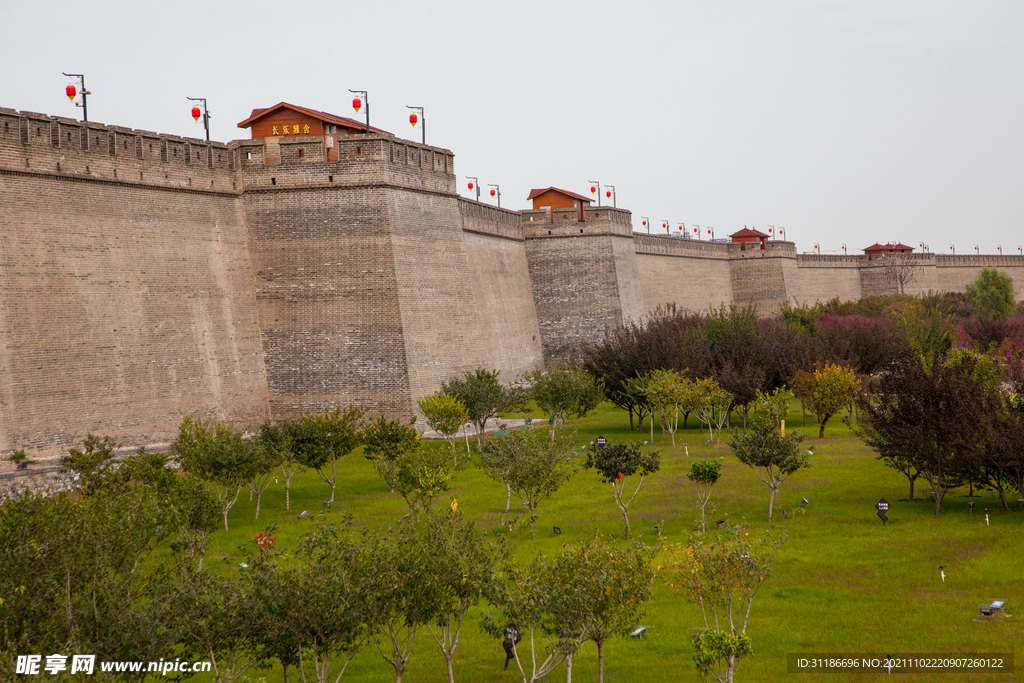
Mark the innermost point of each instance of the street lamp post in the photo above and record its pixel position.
(357, 104)
(952, 249)
(496, 192)
(771, 231)
(782, 231)
(422, 121)
(844, 249)
(85, 94)
(611, 195)
(696, 231)
(206, 114)
(647, 224)
(711, 231)
(474, 183)
(596, 190)
(664, 224)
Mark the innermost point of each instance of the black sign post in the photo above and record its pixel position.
(601, 441)
(882, 506)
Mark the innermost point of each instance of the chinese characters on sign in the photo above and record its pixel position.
(30, 664)
(289, 130)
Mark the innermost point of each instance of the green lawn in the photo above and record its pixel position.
(843, 582)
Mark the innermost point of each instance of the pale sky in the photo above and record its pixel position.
(844, 121)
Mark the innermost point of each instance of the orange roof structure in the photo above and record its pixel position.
(747, 232)
(342, 121)
(535, 193)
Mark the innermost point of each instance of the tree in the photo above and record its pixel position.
(277, 438)
(214, 451)
(833, 389)
(408, 468)
(462, 567)
(321, 601)
(802, 386)
(616, 461)
(322, 440)
(704, 474)
(537, 465)
(928, 416)
(527, 604)
(901, 269)
(637, 389)
(267, 456)
(95, 464)
(565, 392)
(445, 415)
(723, 575)
(991, 292)
(403, 595)
(666, 391)
(712, 405)
(597, 591)
(484, 397)
(772, 455)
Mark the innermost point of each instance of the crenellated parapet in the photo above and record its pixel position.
(33, 143)
(363, 161)
(490, 220)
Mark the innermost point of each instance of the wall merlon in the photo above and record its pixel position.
(490, 220)
(663, 245)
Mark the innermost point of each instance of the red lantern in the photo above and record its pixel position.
(664, 225)
(645, 224)
(196, 113)
(695, 231)
(492, 193)
(356, 104)
(70, 90)
(471, 185)
(593, 190)
(608, 193)
(769, 231)
(709, 231)
(413, 119)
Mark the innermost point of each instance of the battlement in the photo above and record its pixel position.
(832, 261)
(664, 245)
(490, 220)
(979, 261)
(772, 249)
(363, 160)
(54, 145)
(598, 220)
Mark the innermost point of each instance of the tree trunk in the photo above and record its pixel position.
(287, 493)
(686, 416)
(771, 503)
(911, 487)
(568, 669)
(332, 491)
(821, 432)
(259, 498)
(938, 499)
(508, 497)
(625, 516)
(631, 418)
(746, 409)
(804, 411)
(284, 665)
(448, 663)
(730, 668)
(600, 661)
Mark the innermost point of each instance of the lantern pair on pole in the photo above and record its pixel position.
(70, 91)
(196, 113)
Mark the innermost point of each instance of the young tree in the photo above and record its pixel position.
(484, 397)
(597, 591)
(712, 405)
(637, 389)
(834, 388)
(723, 575)
(616, 461)
(445, 415)
(415, 472)
(403, 595)
(565, 392)
(321, 441)
(528, 604)
(666, 391)
(538, 465)
(704, 474)
(462, 566)
(267, 457)
(802, 385)
(772, 455)
(214, 451)
(991, 292)
(276, 438)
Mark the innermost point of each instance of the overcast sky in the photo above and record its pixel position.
(844, 121)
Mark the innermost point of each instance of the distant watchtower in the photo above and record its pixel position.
(285, 120)
(749, 238)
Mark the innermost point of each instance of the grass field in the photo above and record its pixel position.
(843, 584)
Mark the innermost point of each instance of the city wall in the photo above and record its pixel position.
(146, 276)
(125, 285)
